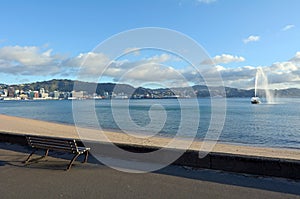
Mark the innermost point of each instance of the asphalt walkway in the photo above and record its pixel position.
(47, 179)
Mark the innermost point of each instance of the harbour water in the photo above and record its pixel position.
(268, 125)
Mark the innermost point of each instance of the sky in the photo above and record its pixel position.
(43, 40)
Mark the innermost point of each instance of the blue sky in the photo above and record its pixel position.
(40, 36)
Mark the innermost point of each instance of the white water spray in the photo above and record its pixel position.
(261, 83)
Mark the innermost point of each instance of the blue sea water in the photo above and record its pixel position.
(270, 125)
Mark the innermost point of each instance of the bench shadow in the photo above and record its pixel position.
(54, 160)
(51, 162)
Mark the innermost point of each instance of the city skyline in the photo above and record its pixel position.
(42, 41)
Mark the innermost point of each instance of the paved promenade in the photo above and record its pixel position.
(47, 179)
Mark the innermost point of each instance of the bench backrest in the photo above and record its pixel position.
(57, 144)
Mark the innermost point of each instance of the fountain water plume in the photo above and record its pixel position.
(261, 81)
(256, 78)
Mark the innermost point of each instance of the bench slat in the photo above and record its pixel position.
(53, 143)
(55, 148)
(49, 140)
(57, 144)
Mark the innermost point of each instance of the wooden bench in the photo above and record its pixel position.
(56, 144)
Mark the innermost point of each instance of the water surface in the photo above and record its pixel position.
(270, 125)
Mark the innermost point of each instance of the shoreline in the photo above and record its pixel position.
(23, 126)
(163, 136)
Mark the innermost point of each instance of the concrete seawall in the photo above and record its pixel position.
(258, 165)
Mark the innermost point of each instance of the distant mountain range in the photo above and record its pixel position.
(64, 85)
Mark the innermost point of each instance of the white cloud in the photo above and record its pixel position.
(224, 59)
(96, 65)
(280, 74)
(296, 58)
(28, 60)
(36, 61)
(251, 38)
(160, 58)
(90, 61)
(287, 27)
(149, 69)
(135, 51)
(32, 61)
(28, 55)
(150, 72)
(283, 67)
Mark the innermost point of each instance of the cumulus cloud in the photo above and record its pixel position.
(234, 77)
(280, 74)
(157, 68)
(92, 66)
(135, 51)
(148, 69)
(28, 60)
(287, 27)
(28, 55)
(89, 64)
(35, 61)
(244, 72)
(296, 58)
(283, 67)
(285, 73)
(224, 59)
(150, 72)
(160, 58)
(251, 38)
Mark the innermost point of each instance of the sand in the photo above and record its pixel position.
(23, 126)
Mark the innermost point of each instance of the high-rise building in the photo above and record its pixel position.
(36, 94)
(11, 92)
(5, 92)
(42, 90)
(55, 94)
(31, 94)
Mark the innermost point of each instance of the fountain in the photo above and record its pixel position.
(261, 80)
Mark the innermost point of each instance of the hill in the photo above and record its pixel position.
(64, 85)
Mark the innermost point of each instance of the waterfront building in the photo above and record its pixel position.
(77, 94)
(55, 94)
(5, 92)
(36, 94)
(11, 92)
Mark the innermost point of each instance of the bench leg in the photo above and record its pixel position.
(86, 157)
(73, 159)
(46, 153)
(27, 160)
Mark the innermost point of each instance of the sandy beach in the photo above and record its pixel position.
(23, 126)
